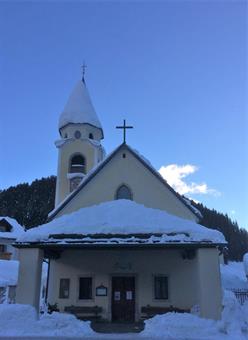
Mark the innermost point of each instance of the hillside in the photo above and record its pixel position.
(30, 204)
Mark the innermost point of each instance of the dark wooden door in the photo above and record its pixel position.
(123, 299)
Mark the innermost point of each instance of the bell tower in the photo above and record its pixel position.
(79, 147)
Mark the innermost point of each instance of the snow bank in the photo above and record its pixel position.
(124, 217)
(16, 230)
(233, 276)
(234, 321)
(177, 326)
(8, 273)
(233, 325)
(21, 320)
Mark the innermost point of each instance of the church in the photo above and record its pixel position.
(122, 244)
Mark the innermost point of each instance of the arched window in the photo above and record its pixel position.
(123, 192)
(91, 136)
(78, 164)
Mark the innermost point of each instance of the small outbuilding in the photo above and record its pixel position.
(10, 229)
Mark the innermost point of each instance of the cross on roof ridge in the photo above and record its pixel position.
(124, 127)
(83, 70)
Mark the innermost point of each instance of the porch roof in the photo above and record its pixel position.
(104, 241)
(120, 222)
(61, 246)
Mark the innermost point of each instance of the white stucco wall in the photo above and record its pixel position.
(146, 188)
(85, 130)
(143, 264)
(29, 279)
(210, 292)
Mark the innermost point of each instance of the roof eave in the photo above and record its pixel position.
(46, 245)
(96, 127)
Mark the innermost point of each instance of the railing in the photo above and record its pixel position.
(241, 295)
(2, 294)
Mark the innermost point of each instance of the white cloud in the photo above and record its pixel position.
(174, 174)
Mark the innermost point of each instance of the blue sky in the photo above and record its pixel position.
(176, 70)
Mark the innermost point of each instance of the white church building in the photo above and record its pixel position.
(121, 243)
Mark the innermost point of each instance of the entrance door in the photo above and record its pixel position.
(123, 299)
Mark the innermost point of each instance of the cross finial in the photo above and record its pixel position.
(83, 70)
(124, 127)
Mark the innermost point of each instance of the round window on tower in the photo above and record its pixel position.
(77, 134)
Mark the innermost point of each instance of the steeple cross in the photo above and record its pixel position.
(124, 127)
(83, 70)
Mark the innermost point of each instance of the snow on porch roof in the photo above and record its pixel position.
(121, 217)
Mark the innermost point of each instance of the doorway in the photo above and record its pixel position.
(123, 299)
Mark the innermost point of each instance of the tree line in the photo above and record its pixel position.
(30, 204)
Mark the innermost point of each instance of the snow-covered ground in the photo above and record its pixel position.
(20, 320)
(233, 325)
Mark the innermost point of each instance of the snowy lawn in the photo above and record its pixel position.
(20, 320)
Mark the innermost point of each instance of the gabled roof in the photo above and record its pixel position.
(13, 228)
(79, 108)
(102, 164)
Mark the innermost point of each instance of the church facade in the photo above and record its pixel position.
(122, 244)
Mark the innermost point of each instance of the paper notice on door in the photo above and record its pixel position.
(129, 295)
(117, 296)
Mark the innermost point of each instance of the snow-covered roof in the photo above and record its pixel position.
(16, 228)
(105, 161)
(8, 273)
(127, 219)
(79, 108)
(188, 202)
